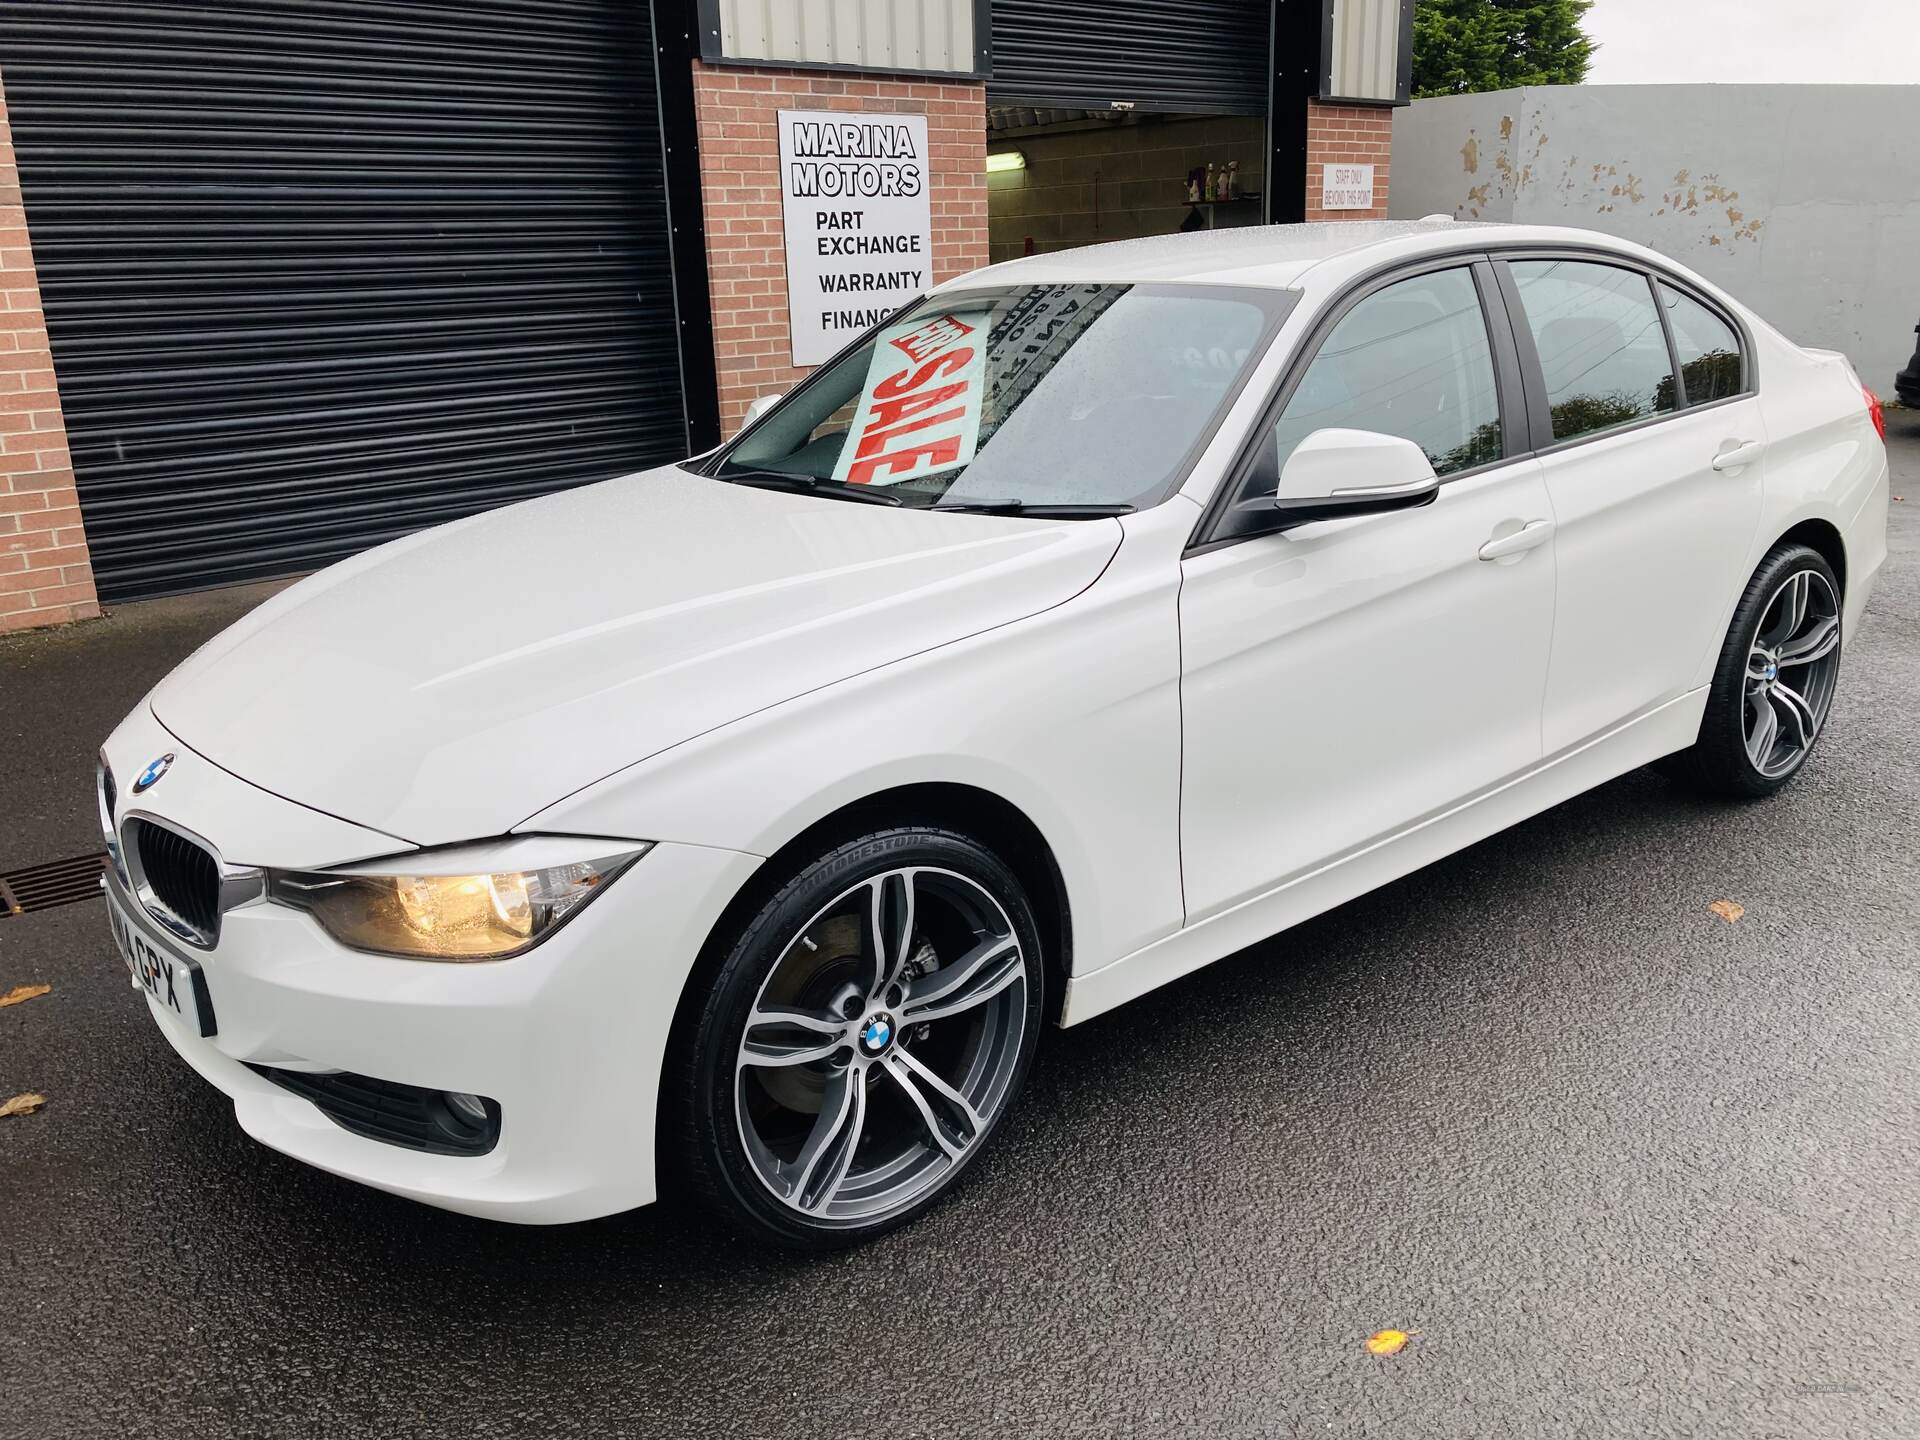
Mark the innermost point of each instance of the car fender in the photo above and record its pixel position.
(1072, 716)
(1823, 463)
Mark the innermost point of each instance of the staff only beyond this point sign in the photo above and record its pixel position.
(853, 191)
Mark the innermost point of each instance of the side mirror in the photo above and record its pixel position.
(760, 407)
(1333, 473)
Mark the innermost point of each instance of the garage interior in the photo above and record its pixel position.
(1110, 135)
(1084, 177)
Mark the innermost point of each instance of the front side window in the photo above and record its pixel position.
(1024, 396)
(1709, 351)
(1601, 347)
(1412, 360)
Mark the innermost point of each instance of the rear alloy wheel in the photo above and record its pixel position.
(1775, 681)
(865, 1035)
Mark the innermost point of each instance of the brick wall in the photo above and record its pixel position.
(1348, 134)
(45, 577)
(44, 574)
(735, 108)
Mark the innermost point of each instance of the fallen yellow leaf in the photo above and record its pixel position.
(21, 1105)
(1387, 1342)
(1727, 910)
(22, 992)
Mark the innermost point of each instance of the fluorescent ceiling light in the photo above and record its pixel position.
(1006, 160)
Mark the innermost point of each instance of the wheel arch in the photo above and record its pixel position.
(993, 820)
(1822, 537)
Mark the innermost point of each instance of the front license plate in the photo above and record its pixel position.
(170, 978)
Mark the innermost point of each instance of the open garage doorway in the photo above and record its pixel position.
(1057, 179)
(1130, 118)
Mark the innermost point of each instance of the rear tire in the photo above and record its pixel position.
(861, 1038)
(1774, 682)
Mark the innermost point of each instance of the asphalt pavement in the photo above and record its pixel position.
(1622, 1167)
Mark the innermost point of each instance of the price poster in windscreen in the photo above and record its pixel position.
(920, 408)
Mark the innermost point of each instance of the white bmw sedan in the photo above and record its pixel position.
(737, 826)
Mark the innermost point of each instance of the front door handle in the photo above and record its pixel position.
(1738, 455)
(1534, 532)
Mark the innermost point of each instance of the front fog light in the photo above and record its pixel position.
(469, 1109)
(447, 917)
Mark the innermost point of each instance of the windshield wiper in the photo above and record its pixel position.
(811, 485)
(1044, 512)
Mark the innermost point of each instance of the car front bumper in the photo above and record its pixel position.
(569, 1038)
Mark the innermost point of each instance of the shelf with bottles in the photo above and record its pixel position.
(1224, 214)
(1213, 184)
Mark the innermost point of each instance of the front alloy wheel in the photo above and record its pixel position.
(868, 1030)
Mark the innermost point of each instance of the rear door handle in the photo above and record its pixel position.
(1740, 455)
(1534, 532)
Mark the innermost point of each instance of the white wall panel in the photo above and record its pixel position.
(932, 35)
(1364, 54)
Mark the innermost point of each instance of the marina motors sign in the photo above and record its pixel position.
(859, 224)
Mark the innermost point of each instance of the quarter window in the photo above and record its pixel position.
(1602, 350)
(1410, 360)
(1709, 351)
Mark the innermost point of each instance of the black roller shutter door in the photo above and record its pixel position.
(319, 273)
(1202, 56)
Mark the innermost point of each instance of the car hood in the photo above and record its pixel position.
(449, 685)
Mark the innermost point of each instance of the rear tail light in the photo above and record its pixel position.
(1876, 412)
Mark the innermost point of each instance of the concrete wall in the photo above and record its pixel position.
(1802, 200)
(1100, 182)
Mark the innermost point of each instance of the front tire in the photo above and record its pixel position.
(1774, 683)
(862, 1037)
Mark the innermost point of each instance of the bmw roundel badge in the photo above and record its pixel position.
(878, 1032)
(150, 776)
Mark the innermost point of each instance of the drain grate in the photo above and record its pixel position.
(58, 882)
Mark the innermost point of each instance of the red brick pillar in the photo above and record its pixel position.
(1349, 135)
(45, 576)
(735, 108)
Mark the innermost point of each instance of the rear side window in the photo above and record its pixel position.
(1411, 360)
(1601, 347)
(1709, 350)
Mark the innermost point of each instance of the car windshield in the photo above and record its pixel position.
(1076, 398)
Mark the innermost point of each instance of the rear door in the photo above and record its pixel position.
(1652, 448)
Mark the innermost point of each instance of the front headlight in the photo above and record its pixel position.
(487, 916)
(107, 794)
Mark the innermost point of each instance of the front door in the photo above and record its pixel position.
(1345, 678)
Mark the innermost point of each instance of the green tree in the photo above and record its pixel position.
(1462, 46)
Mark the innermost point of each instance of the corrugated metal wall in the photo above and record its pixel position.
(877, 34)
(1364, 56)
(321, 272)
(1201, 56)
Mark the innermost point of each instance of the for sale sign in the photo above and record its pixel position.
(853, 191)
(920, 410)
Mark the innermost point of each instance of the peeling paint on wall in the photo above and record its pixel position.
(1799, 198)
(1603, 187)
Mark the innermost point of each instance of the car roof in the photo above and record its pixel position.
(1270, 255)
